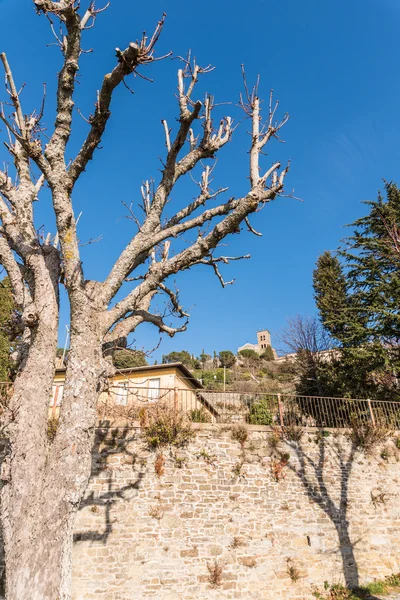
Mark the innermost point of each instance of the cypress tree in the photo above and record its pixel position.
(331, 295)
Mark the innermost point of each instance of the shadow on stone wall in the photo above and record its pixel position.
(111, 445)
(109, 442)
(312, 473)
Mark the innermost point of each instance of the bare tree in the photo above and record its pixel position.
(306, 338)
(43, 481)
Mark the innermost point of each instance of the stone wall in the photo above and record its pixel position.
(261, 523)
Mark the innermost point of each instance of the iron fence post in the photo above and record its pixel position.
(176, 400)
(280, 407)
(371, 412)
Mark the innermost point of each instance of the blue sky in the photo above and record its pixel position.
(334, 67)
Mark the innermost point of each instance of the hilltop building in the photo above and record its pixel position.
(263, 341)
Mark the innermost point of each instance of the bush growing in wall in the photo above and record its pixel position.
(366, 435)
(165, 426)
(240, 434)
(292, 433)
(216, 570)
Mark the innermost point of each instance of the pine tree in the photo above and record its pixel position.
(331, 295)
(227, 358)
(358, 298)
(372, 255)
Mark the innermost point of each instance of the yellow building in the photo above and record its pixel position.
(142, 386)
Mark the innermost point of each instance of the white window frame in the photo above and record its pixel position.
(122, 394)
(154, 390)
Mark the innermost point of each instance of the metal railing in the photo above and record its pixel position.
(254, 408)
(304, 411)
(257, 408)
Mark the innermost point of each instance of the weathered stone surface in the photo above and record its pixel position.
(330, 513)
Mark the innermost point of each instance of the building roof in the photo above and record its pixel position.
(183, 370)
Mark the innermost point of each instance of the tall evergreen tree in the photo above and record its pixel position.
(372, 255)
(331, 295)
(358, 298)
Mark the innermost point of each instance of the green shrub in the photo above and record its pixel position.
(268, 354)
(393, 580)
(337, 591)
(251, 354)
(214, 378)
(260, 413)
(199, 415)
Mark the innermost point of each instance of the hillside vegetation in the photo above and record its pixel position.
(245, 371)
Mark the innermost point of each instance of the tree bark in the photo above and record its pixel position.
(24, 466)
(40, 502)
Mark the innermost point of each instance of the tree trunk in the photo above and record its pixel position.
(38, 568)
(350, 567)
(26, 451)
(40, 501)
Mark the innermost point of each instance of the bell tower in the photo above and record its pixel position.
(263, 340)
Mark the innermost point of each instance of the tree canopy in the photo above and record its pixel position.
(126, 358)
(358, 297)
(227, 358)
(268, 354)
(249, 353)
(182, 356)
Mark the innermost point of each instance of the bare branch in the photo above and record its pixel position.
(55, 149)
(146, 196)
(6, 187)
(167, 135)
(251, 229)
(123, 328)
(90, 15)
(236, 211)
(20, 120)
(39, 184)
(159, 322)
(199, 201)
(174, 300)
(213, 262)
(128, 60)
(26, 146)
(210, 143)
(14, 272)
(261, 133)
